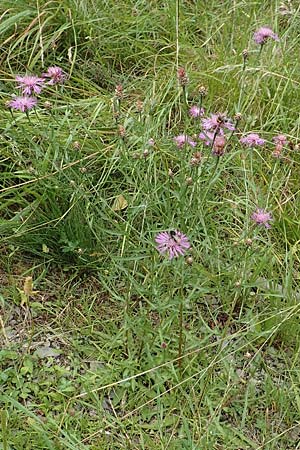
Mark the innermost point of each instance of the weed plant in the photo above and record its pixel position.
(149, 225)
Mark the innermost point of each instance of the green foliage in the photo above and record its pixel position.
(89, 357)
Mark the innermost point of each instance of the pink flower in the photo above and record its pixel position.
(208, 136)
(30, 84)
(280, 139)
(173, 243)
(262, 217)
(263, 34)
(151, 142)
(252, 139)
(55, 74)
(184, 139)
(22, 103)
(195, 111)
(217, 122)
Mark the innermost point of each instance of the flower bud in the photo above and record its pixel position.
(189, 260)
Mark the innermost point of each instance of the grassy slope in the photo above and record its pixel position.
(105, 300)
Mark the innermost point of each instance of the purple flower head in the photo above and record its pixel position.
(217, 122)
(195, 111)
(262, 217)
(208, 136)
(56, 75)
(252, 140)
(30, 84)
(280, 139)
(182, 139)
(173, 243)
(263, 34)
(22, 103)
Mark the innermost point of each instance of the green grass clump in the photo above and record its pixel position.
(106, 343)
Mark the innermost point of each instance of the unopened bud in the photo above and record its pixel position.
(196, 159)
(76, 145)
(189, 181)
(278, 150)
(189, 260)
(245, 54)
(122, 131)
(219, 146)
(139, 106)
(182, 76)
(248, 242)
(203, 91)
(47, 105)
(119, 91)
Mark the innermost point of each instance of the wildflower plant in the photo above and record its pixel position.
(128, 145)
(175, 244)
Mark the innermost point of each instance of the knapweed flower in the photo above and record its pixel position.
(56, 75)
(252, 140)
(182, 139)
(263, 34)
(262, 217)
(23, 104)
(209, 136)
(173, 243)
(195, 111)
(30, 84)
(216, 122)
(219, 146)
(280, 139)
